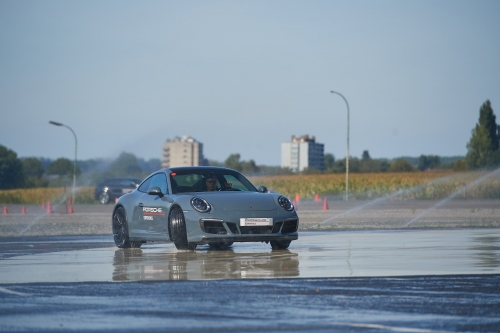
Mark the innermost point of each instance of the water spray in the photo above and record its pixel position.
(453, 195)
(407, 191)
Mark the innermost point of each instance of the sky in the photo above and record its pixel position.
(244, 76)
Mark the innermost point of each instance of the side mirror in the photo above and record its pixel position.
(155, 191)
(262, 189)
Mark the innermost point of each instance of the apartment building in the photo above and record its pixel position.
(183, 151)
(302, 152)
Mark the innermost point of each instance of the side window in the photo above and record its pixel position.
(145, 186)
(159, 180)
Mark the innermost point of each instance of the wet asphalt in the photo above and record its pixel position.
(360, 281)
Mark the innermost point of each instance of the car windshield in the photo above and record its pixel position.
(205, 180)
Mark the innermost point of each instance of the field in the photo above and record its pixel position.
(56, 195)
(405, 185)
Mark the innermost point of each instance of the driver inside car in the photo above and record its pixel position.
(211, 184)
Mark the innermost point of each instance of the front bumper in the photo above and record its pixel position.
(246, 238)
(215, 230)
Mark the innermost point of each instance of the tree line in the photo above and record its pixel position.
(483, 152)
(42, 172)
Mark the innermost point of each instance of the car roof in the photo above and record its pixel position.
(197, 168)
(122, 178)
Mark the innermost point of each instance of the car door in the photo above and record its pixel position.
(152, 209)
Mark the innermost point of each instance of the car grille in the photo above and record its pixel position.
(233, 227)
(277, 227)
(213, 227)
(217, 227)
(290, 226)
(256, 230)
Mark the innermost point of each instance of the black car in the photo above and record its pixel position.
(113, 188)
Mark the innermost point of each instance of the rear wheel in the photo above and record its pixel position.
(280, 244)
(120, 228)
(177, 226)
(104, 197)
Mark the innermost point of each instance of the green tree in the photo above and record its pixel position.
(33, 170)
(125, 165)
(401, 166)
(367, 164)
(33, 167)
(233, 162)
(62, 167)
(483, 147)
(366, 155)
(11, 169)
(247, 167)
(329, 160)
(428, 162)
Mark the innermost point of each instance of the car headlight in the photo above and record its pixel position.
(285, 203)
(200, 205)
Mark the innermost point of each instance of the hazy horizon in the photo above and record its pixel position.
(243, 77)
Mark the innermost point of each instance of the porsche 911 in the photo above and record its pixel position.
(193, 206)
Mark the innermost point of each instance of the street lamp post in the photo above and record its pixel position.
(347, 154)
(74, 166)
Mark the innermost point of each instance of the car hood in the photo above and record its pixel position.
(231, 201)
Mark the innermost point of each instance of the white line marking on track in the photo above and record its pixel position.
(388, 328)
(7, 291)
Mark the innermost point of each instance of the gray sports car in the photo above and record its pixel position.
(203, 205)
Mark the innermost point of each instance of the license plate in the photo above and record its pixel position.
(256, 222)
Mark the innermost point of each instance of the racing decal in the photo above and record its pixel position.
(149, 212)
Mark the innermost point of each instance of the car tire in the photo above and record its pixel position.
(177, 226)
(136, 245)
(104, 197)
(120, 228)
(280, 244)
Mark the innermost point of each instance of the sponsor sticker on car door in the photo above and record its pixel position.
(149, 213)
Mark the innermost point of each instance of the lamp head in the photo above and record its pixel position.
(55, 123)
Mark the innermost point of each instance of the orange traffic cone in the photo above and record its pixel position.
(5, 210)
(23, 210)
(295, 206)
(297, 197)
(325, 205)
(43, 205)
(70, 209)
(49, 208)
(316, 198)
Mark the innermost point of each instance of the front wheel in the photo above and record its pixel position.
(280, 245)
(120, 228)
(177, 226)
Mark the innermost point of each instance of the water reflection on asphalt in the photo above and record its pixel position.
(315, 254)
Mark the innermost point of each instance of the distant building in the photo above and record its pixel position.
(184, 151)
(302, 152)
